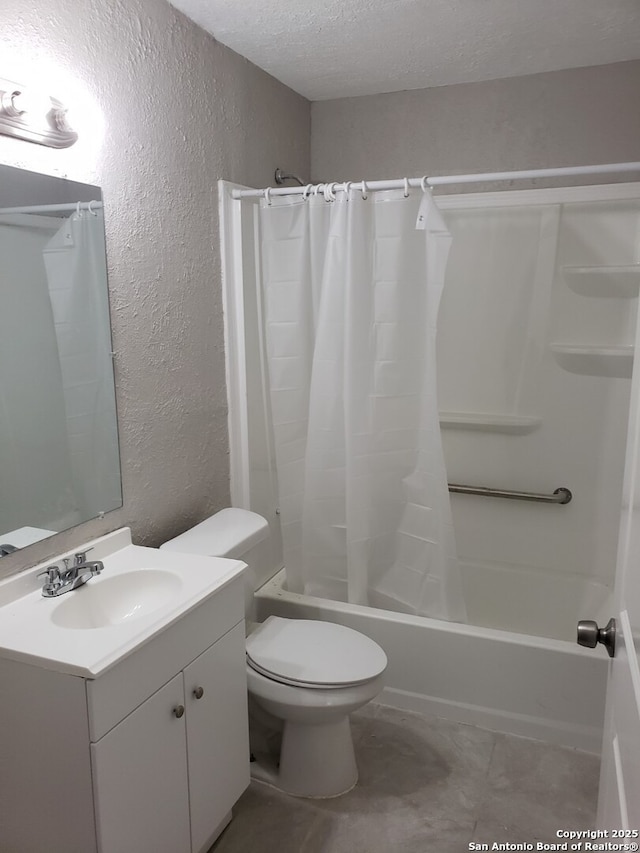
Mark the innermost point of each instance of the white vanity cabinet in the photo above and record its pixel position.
(140, 778)
(165, 778)
(218, 765)
(148, 757)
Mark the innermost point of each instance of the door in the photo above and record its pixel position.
(619, 800)
(215, 689)
(140, 778)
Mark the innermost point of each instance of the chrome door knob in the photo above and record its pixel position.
(590, 635)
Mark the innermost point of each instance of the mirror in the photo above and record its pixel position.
(59, 455)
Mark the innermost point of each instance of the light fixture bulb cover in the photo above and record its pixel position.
(28, 114)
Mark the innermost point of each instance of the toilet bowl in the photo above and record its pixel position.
(304, 677)
(310, 676)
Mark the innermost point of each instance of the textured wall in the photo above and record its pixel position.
(562, 118)
(164, 112)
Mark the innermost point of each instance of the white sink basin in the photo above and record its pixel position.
(140, 592)
(111, 601)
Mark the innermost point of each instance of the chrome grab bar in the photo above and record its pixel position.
(560, 496)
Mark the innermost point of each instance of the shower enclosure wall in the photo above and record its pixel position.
(535, 350)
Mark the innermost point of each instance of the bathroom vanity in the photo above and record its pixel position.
(123, 711)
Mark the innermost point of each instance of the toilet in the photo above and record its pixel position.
(304, 676)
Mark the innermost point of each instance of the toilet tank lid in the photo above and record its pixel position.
(229, 533)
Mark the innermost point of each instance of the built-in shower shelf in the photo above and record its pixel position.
(622, 281)
(479, 421)
(614, 362)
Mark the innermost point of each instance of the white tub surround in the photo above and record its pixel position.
(535, 278)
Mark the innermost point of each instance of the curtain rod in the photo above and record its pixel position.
(55, 208)
(403, 183)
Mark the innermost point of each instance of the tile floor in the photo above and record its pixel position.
(426, 784)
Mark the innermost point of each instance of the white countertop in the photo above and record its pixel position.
(28, 630)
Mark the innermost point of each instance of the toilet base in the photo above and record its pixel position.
(316, 761)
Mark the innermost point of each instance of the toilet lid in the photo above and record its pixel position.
(312, 653)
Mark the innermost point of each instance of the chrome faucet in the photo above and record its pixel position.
(58, 581)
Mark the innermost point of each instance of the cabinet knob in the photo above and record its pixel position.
(198, 692)
(178, 711)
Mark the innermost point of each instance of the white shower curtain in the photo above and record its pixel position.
(76, 280)
(35, 479)
(351, 295)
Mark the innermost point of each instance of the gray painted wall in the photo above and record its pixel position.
(562, 118)
(180, 111)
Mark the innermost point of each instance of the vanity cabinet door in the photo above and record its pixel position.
(215, 688)
(140, 778)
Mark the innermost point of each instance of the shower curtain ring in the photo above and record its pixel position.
(329, 193)
(91, 210)
(316, 190)
(306, 192)
(79, 210)
(424, 184)
(267, 196)
(364, 191)
(406, 187)
(347, 188)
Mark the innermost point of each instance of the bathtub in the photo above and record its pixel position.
(534, 686)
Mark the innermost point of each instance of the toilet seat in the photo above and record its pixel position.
(313, 654)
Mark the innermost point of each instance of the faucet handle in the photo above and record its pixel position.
(51, 573)
(81, 557)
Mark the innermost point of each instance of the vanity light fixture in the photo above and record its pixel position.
(27, 114)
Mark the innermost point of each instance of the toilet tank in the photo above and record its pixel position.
(237, 534)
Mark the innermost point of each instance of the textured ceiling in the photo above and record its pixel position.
(339, 48)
